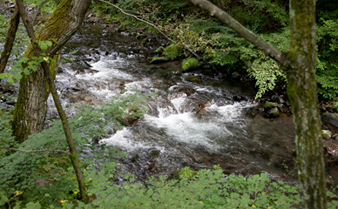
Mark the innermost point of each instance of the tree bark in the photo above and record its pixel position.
(10, 37)
(302, 92)
(300, 65)
(62, 114)
(31, 107)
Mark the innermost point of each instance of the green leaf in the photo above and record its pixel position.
(10, 78)
(43, 45)
(18, 76)
(26, 71)
(55, 41)
(49, 43)
(73, 52)
(23, 60)
(69, 59)
(3, 75)
(33, 67)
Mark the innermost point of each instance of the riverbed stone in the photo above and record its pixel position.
(270, 105)
(326, 134)
(273, 113)
(330, 120)
(192, 78)
(277, 99)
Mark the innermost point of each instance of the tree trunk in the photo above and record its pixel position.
(31, 107)
(300, 65)
(302, 92)
(10, 37)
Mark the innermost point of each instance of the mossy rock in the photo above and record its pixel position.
(270, 105)
(185, 173)
(326, 134)
(159, 60)
(159, 50)
(235, 74)
(173, 51)
(189, 63)
(192, 78)
(274, 112)
(144, 41)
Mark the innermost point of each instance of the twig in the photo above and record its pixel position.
(151, 24)
(37, 12)
(32, 151)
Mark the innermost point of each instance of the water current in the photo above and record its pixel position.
(187, 123)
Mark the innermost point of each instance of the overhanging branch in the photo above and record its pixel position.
(224, 17)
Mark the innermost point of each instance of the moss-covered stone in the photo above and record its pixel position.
(159, 60)
(274, 112)
(173, 51)
(270, 105)
(326, 134)
(192, 78)
(190, 63)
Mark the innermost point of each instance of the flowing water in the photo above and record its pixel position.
(187, 124)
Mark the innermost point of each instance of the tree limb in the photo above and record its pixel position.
(32, 151)
(224, 17)
(10, 37)
(65, 125)
(151, 24)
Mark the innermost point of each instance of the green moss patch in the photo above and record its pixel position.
(189, 63)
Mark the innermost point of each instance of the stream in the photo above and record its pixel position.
(195, 124)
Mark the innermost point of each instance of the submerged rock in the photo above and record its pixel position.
(192, 78)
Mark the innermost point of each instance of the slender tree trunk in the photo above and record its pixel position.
(62, 114)
(302, 92)
(31, 107)
(300, 65)
(10, 37)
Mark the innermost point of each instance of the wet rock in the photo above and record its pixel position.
(156, 60)
(270, 105)
(235, 75)
(11, 102)
(331, 121)
(193, 78)
(238, 98)
(273, 113)
(288, 104)
(326, 134)
(122, 55)
(88, 99)
(277, 99)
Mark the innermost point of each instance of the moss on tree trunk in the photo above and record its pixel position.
(302, 92)
(31, 107)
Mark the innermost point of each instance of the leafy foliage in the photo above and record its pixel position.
(51, 173)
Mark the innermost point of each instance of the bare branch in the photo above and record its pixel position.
(151, 24)
(32, 151)
(38, 11)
